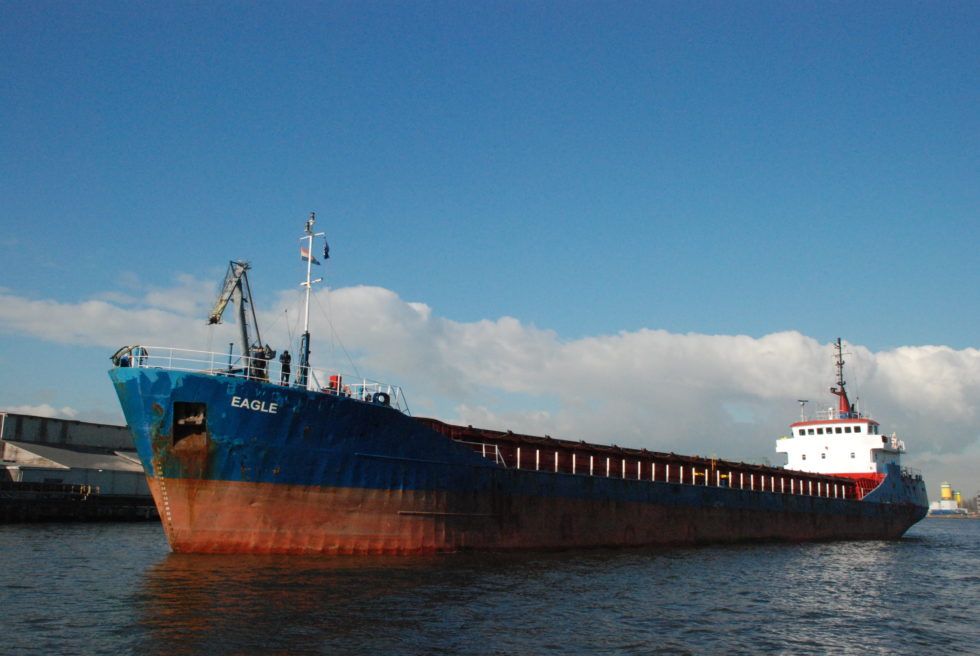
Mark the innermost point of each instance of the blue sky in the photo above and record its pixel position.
(533, 178)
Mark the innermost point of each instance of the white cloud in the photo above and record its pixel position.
(43, 410)
(115, 297)
(190, 296)
(688, 393)
(97, 323)
(730, 395)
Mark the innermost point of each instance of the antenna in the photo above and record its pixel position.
(839, 362)
(802, 403)
(844, 408)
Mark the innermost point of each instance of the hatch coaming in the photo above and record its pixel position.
(548, 455)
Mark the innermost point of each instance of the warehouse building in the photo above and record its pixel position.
(61, 469)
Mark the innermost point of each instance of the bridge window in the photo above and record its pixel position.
(838, 429)
(802, 431)
(857, 429)
(819, 431)
(823, 456)
(804, 456)
(809, 431)
(847, 429)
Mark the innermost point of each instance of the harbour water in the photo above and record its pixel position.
(116, 589)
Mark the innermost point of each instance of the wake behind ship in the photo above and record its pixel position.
(242, 456)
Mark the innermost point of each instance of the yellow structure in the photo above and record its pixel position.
(946, 492)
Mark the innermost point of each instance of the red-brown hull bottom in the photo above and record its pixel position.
(203, 516)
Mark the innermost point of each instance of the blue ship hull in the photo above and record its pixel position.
(243, 466)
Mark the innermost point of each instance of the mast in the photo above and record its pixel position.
(304, 356)
(844, 409)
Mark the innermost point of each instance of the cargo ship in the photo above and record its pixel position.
(247, 454)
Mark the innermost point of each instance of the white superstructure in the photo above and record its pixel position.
(840, 441)
(840, 446)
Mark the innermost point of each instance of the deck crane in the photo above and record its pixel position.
(236, 288)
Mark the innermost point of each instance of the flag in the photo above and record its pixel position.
(326, 250)
(305, 255)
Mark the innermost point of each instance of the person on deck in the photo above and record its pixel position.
(284, 360)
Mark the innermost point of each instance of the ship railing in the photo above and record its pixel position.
(833, 413)
(914, 474)
(355, 387)
(262, 369)
(487, 450)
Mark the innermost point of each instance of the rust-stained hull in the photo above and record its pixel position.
(235, 517)
(295, 471)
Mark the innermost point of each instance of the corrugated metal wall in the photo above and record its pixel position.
(48, 430)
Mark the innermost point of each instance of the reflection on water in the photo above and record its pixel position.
(318, 605)
(839, 597)
(274, 601)
(110, 590)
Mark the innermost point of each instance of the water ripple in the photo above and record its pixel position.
(116, 589)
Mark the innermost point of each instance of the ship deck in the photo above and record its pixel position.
(513, 450)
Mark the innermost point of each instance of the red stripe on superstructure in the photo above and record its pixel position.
(821, 422)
